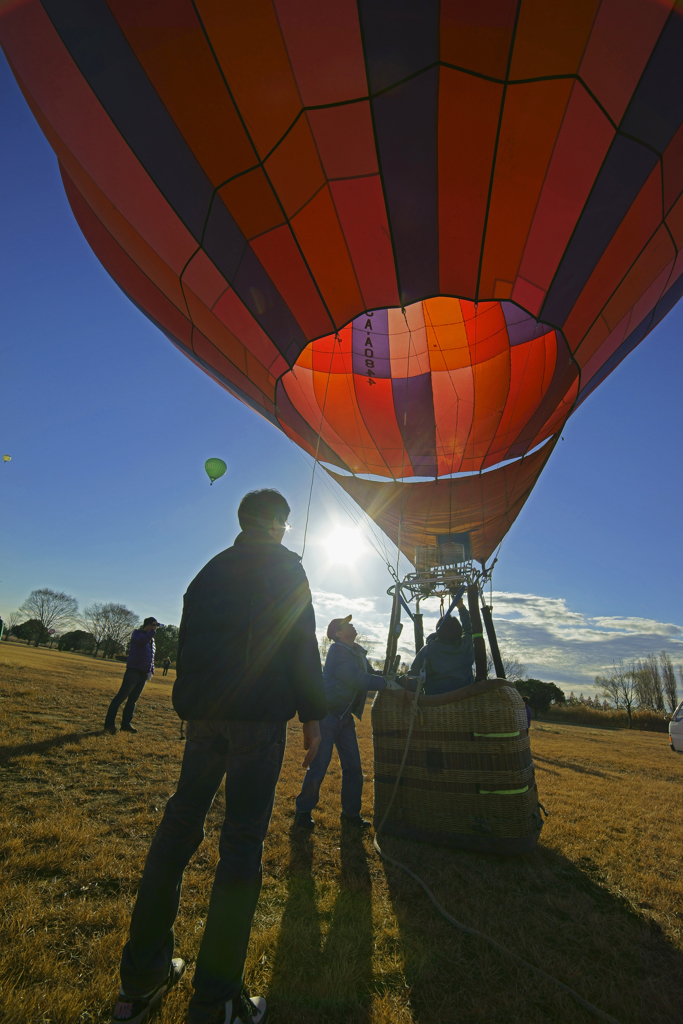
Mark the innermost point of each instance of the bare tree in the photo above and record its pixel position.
(110, 625)
(52, 608)
(94, 621)
(620, 687)
(515, 670)
(669, 682)
(121, 622)
(649, 684)
(13, 620)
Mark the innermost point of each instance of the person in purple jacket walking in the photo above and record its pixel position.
(139, 668)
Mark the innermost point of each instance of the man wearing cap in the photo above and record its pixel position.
(139, 668)
(348, 677)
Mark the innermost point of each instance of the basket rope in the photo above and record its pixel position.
(594, 1010)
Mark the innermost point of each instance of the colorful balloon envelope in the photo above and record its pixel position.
(7, 458)
(215, 468)
(414, 236)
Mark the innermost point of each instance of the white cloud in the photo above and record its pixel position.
(553, 641)
(370, 617)
(338, 605)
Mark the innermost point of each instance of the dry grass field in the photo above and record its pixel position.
(339, 936)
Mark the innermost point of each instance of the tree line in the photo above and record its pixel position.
(101, 629)
(647, 684)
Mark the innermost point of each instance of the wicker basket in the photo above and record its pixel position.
(468, 779)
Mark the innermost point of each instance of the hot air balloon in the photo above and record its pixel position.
(414, 237)
(498, 186)
(215, 468)
(7, 458)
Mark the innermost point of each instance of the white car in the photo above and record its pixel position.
(676, 729)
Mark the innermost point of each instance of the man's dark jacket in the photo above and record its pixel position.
(141, 651)
(247, 648)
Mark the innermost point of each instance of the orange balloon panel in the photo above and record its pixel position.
(484, 505)
(446, 388)
(500, 185)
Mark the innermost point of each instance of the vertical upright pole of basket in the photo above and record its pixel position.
(477, 632)
(394, 630)
(418, 626)
(493, 639)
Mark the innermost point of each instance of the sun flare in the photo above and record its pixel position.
(343, 545)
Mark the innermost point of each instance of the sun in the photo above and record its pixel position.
(343, 545)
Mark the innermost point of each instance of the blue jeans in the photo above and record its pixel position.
(249, 755)
(339, 733)
(132, 685)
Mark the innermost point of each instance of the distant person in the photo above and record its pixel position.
(447, 657)
(166, 664)
(247, 662)
(348, 677)
(139, 668)
(527, 706)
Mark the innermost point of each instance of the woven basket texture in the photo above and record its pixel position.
(461, 776)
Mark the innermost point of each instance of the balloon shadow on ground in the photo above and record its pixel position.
(546, 909)
(322, 967)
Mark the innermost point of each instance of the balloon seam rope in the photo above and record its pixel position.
(403, 446)
(317, 446)
(594, 1010)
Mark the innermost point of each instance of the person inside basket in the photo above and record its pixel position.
(348, 677)
(447, 657)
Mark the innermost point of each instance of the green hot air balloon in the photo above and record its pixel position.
(7, 458)
(214, 468)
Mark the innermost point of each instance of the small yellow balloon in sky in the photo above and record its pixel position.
(7, 458)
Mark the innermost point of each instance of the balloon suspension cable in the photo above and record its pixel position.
(317, 445)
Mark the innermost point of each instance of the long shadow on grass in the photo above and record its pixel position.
(323, 961)
(544, 908)
(571, 767)
(39, 747)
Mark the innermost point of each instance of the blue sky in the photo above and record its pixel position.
(108, 426)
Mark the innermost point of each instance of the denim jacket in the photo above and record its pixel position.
(348, 677)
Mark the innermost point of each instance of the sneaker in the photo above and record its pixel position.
(128, 728)
(242, 1010)
(354, 820)
(137, 1011)
(303, 819)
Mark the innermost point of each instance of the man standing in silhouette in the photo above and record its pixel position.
(247, 662)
